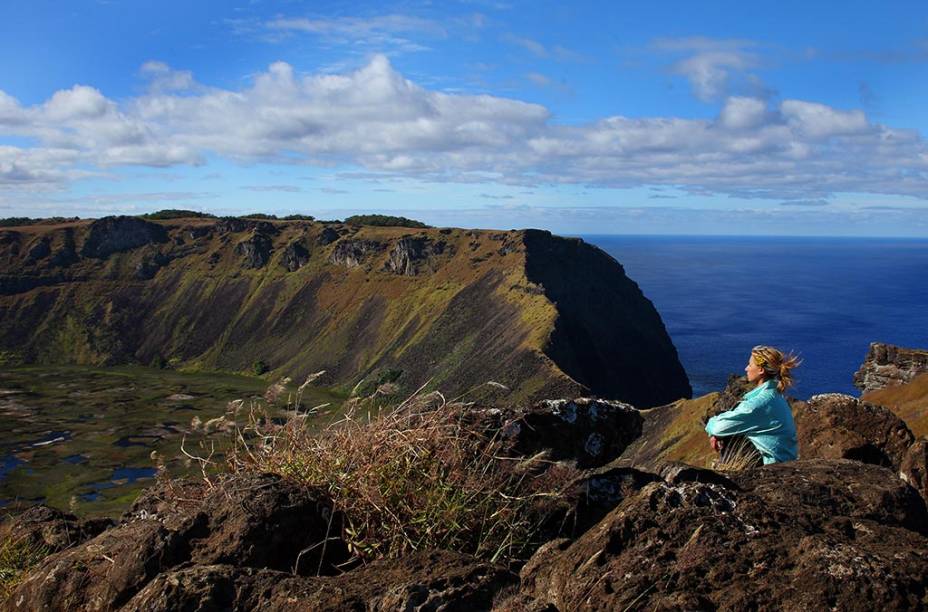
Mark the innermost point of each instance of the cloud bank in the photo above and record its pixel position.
(376, 120)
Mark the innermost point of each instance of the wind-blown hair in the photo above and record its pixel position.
(776, 365)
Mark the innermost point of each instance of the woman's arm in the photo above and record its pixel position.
(745, 418)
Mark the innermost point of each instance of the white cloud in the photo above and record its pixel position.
(375, 119)
(710, 63)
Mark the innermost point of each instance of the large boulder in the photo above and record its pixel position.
(887, 365)
(838, 426)
(801, 535)
(589, 431)
(114, 234)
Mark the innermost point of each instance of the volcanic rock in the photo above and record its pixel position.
(352, 253)
(295, 256)
(838, 426)
(430, 580)
(114, 234)
(328, 236)
(790, 536)
(410, 253)
(255, 250)
(589, 431)
(40, 250)
(914, 468)
(254, 521)
(888, 365)
(54, 529)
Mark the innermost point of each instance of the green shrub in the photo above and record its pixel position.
(299, 218)
(259, 367)
(19, 221)
(174, 213)
(384, 221)
(260, 216)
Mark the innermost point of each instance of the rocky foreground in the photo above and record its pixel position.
(844, 528)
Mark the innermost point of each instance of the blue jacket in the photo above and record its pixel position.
(764, 417)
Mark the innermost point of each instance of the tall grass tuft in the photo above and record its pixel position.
(17, 556)
(740, 454)
(414, 476)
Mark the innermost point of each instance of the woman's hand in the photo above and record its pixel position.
(716, 444)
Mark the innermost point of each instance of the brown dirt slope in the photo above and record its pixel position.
(909, 401)
(546, 316)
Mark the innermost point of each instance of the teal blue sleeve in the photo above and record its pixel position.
(743, 419)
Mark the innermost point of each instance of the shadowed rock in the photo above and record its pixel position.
(431, 580)
(352, 253)
(54, 529)
(887, 365)
(589, 431)
(914, 468)
(790, 536)
(295, 256)
(40, 250)
(328, 235)
(254, 521)
(114, 234)
(838, 426)
(255, 250)
(411, 253)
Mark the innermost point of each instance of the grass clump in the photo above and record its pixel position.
(17, 556)
(421, 475)
(737, 455)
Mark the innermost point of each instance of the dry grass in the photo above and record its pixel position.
(414, 476)
(740, 455)
(17, 556)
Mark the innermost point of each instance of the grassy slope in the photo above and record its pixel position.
(204, 310)
(908, 401)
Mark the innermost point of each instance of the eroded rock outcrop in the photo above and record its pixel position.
(295, 256)
(255, 250)
(888, 365)
(352, 253)
(114, 234)
(411, 253)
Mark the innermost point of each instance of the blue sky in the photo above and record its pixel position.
(587, 117)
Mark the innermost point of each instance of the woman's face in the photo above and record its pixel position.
(753, 370)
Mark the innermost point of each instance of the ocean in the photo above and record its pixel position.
(825, 299)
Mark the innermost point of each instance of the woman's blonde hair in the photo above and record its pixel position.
(776, 365)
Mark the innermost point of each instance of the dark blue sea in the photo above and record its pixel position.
(823, 298)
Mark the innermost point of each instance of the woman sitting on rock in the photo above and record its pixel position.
(761, 427)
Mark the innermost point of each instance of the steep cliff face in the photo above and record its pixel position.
(544, 315)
